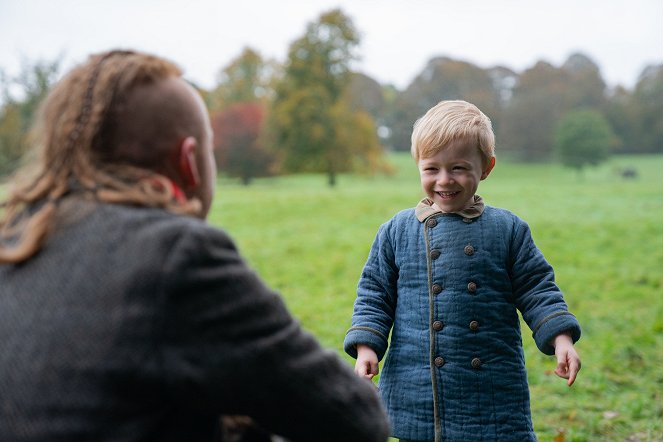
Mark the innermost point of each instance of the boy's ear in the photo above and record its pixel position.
(488, 168)
(187, 166)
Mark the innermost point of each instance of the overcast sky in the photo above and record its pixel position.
(398, 36)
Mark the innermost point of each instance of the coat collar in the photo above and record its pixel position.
(426, 209)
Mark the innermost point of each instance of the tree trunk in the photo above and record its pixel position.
(331, 178)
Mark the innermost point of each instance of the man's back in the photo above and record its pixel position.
(136, 324)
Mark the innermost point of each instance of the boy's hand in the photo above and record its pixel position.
(367, 362)
(568, 361)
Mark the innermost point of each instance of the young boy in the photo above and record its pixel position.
(447, 279)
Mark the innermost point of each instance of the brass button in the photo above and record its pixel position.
(437, 288)
(467, 220)
(469, 250)
(431, 223)
(476, 363)
(438, 325)
(434, 254)
(439, 361)
(474, 325)
(472, 287)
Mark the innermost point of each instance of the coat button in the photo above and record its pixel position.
(438, 325)
(438, 361)
(434, 254)
(437, 289)
(431, 223)
(474, 325)
(476, 363)
(467, 220)
(472, 287)
(469, 250)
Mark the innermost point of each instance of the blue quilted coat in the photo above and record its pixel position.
(448, 287)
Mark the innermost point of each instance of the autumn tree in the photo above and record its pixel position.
(586, 88)
(311, 120)
(443, 78)
(583, 138)
(366, 94)
(21, 97)
(539, 100)
(245, 79)
(239, 150)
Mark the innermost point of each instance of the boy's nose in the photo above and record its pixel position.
(444, 178)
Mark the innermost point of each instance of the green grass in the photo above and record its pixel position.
(603, 235)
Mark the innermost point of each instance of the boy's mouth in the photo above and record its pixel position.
(445, 195)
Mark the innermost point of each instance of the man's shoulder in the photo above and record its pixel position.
(143, 224)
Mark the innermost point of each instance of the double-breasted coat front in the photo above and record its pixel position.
(448, 288)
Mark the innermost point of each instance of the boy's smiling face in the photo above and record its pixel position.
(450, 178)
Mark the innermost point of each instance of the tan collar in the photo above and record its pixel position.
(427, 208)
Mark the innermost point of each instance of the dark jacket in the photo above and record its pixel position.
(134, 324)
(448, 288)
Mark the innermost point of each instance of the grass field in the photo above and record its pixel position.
(602, 233)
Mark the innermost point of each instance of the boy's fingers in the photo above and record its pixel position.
(574, 367)
(562, 369)
(361, 369)
(374, 368)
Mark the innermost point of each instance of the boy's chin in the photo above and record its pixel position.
(447, 206)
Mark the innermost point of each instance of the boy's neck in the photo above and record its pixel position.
(427, 208)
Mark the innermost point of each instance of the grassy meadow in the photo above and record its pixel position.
(601, 232)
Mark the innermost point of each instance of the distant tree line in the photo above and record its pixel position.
(312, 113)
(527, 108)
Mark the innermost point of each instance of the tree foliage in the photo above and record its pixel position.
(311, 120)
(648, 110)
(245, 79)
(442, 79)
(583, 138)
(365, 94)
(538, 103)
(239, 149)
(21, 97)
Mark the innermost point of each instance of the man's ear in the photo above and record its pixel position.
(488, 168)
(187, 166)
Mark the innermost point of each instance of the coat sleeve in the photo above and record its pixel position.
(231, 346)
(375, 305)
(536, 294)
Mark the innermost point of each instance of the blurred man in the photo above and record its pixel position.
(123, 315)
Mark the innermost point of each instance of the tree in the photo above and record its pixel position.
(621, 114)
(586, 86)
(310, 116)
(583, 137)
(20, 98)
(442, 79)
(245, 79)
(528, 123)
(237, 141)
(365, 94)
(648, 103)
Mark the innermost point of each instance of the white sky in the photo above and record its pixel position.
(398, 36)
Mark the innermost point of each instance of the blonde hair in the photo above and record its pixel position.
(76, 142)
(449, 121)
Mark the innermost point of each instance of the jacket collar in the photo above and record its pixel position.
(426, 208)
